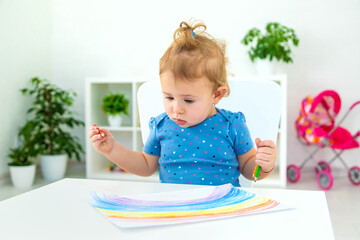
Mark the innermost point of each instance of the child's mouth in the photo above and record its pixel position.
(179, 121)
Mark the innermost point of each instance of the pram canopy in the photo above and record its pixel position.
(316, 122)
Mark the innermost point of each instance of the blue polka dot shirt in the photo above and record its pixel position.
(204, 154)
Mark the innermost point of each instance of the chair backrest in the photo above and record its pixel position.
(259, 100)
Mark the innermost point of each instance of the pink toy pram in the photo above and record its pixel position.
(316, 126)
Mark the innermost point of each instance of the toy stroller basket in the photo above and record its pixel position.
(316, 126)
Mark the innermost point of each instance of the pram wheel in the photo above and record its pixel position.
(324, 179)
(293, 173)
(323, 165)
(354, 175)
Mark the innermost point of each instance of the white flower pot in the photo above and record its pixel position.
(53, 167)
(115, 120)
(265, 67)
(22, 176)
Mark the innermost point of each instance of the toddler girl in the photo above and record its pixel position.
(193, 142)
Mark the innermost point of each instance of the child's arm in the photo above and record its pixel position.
(265, 157)
(138, 163)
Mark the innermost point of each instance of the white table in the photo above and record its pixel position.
(61, 210)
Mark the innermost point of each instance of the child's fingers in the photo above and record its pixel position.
(257, 141)
(92, 132)
(265, 154)
(264, 161)
(264, 157)
(105, 132)
(97, 131)
(96, 137)
(266, 143)
(265, 166)
(265, 150)
(93, 128)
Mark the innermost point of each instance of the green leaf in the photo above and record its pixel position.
(49, 116)
(115, 103)
(274, 43)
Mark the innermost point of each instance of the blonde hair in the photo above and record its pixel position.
(194, 54)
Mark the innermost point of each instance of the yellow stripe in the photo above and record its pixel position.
(250, 203)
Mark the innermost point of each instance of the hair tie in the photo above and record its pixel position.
(193, 34)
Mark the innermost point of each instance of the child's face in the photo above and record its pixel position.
(187, 102)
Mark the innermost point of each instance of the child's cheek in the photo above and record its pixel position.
(167, 107)
(199, 113)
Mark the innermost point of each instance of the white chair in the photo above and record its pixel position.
(259, 100)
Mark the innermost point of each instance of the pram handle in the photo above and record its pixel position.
(341, 120)
(320, 98)
(352, 106)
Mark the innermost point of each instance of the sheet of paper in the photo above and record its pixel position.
(200, 204)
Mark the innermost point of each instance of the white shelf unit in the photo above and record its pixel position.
(278, 176)
(129, 134)
(97, 88)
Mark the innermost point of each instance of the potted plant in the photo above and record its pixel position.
(22, 169)
(273, 44)
(114, 105)
(51, 117)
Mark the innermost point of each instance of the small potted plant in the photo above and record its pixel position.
(22, 169)
(273, 44)
(51, 117)
(115, 105)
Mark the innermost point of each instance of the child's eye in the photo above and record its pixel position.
(189, 100)
(169, 98)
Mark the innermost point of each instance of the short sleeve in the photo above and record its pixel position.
(152, 144)
(242, 138)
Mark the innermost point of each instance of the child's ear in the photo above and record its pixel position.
(219, 94)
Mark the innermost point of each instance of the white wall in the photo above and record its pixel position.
(25, 52)
(113, 38)
(120, 38)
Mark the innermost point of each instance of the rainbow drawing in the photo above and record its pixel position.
(180, 206)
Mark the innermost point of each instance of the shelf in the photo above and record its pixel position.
(129, 135)
(118, 129)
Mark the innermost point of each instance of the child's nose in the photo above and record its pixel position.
(178, 109)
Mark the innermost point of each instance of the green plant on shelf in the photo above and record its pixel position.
(115, 104)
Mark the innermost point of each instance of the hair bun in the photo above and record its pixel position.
(186, 35)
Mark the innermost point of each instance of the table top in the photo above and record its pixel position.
(62, 210)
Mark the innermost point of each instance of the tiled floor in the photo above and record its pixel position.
(343, 199)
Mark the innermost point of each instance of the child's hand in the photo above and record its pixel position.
(101, 139)
(265, 154)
